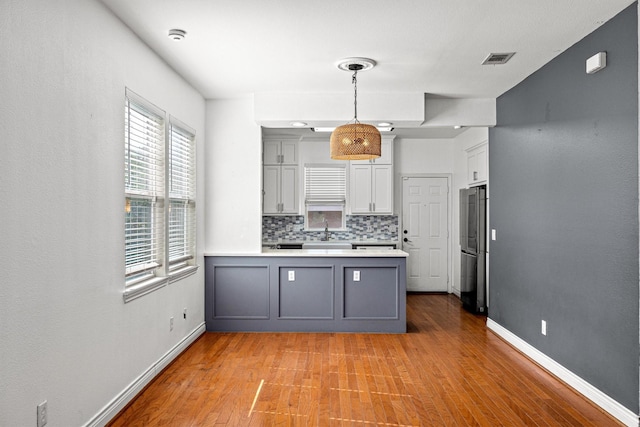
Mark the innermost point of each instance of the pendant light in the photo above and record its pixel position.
(355, 141)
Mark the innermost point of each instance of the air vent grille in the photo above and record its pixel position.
(497, 58)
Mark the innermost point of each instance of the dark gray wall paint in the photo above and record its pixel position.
(564, 202)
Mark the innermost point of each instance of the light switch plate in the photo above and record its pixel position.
(493, 234)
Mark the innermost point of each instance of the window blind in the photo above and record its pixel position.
(144, 188)
(325, 183)
(182, 194)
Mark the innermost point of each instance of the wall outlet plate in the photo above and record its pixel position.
(42, 414)
(356, 276)
(292, 275)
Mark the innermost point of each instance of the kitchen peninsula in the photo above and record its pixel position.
(307, 290)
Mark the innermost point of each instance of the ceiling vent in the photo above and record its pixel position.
(497, 58)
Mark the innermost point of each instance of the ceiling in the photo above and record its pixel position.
(434, 47)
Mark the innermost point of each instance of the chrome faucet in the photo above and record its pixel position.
(326, 230)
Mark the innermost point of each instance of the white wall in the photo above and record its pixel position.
(66, 336)
(234, 178)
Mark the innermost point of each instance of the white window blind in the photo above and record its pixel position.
(182, 194)
(325, 183)
(144, 188)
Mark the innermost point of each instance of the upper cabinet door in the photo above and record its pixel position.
(278, 152)
(289, 152)
(477, 164)
(271, 152)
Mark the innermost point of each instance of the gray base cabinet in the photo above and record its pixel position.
(305, 294)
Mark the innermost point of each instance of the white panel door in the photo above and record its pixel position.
(425, 233)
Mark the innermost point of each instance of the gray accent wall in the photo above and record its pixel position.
(563, 163)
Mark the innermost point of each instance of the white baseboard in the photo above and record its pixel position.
(131, 391)
(624, 415)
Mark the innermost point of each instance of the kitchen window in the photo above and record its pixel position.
(325, 190)
(159, 236)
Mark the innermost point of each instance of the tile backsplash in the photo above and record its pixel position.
(359, 227)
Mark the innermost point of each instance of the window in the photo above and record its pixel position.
(325, 190)
(182, 197)
(159, 236)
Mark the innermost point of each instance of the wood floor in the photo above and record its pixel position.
(448, 370)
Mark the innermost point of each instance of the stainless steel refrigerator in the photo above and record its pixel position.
(473, 244)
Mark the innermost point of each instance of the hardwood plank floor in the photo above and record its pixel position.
(448, 370)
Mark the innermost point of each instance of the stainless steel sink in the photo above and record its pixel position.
(326, 245)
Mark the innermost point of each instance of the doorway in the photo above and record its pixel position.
(425, 232)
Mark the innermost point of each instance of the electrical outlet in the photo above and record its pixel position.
(356, 276)
(42, 414)
(184, 313)
(171, 323)
(292, 275)
(543, 329)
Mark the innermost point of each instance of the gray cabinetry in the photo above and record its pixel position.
(341, 294)
(373, 295)
(306, 295)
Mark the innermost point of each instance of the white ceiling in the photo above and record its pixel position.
(239, 47)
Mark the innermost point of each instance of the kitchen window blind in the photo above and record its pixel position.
(325, 183)
(144, 189)
(182, 195)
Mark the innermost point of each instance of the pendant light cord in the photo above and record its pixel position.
(354, 80)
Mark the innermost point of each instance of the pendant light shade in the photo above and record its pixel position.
(355, 141)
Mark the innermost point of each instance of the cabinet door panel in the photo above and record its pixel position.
(289, 152)
(382, 176)
(289, 189)
(271, 186)
(360, 188)
(271, 152)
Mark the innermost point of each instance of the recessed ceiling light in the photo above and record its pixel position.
(457, 127)
(177, 34)
(384, 124)
(298, 124)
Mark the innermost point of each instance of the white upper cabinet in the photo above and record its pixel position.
(371, 184)
(280, 179)
(280, 152)
(477, 164)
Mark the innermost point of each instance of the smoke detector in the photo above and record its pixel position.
(497, 58)
(177, 34)
(356, 64)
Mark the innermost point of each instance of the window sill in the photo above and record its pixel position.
(183, 272)
(143, 288)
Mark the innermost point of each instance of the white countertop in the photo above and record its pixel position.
(369, 253)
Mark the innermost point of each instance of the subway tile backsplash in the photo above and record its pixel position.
(359, 227)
